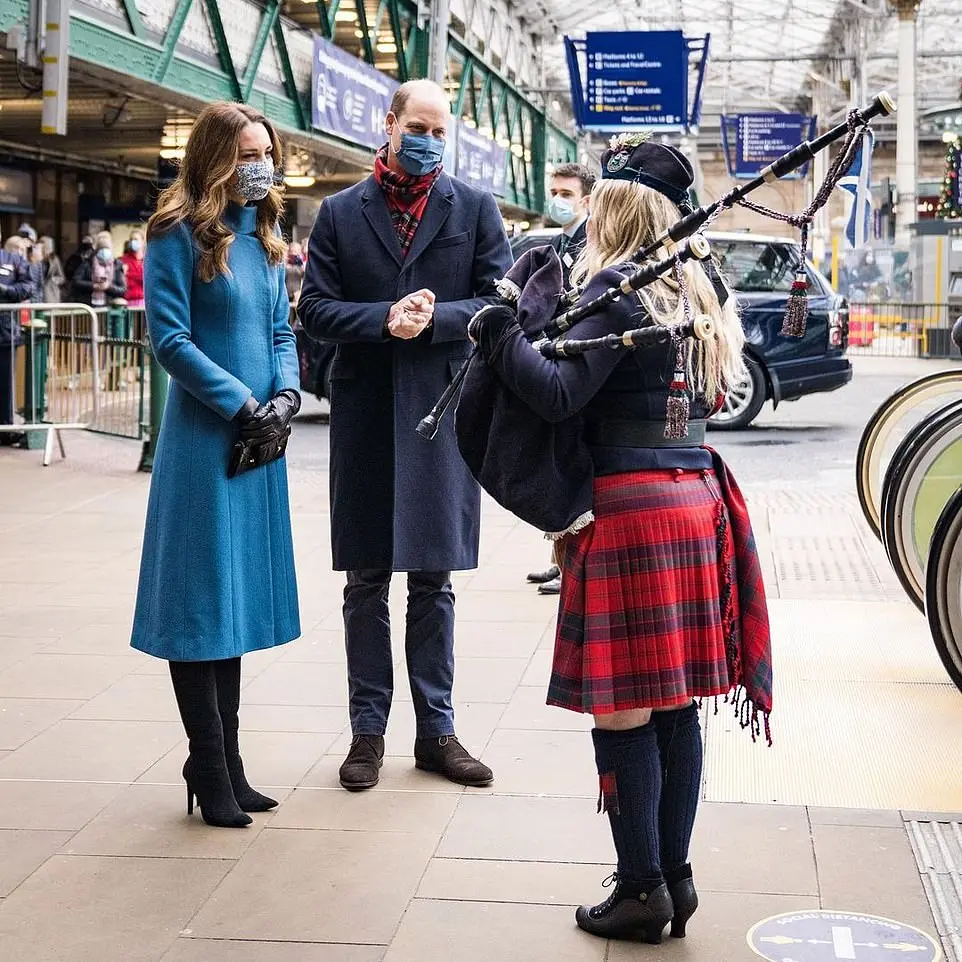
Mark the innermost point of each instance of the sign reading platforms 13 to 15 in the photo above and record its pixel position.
(823, 936)
(637, 79)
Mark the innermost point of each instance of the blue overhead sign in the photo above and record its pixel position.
(349, 99)
(760, 139)
(480, 161)
(636, 79)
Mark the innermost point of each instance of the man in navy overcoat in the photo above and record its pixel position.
(397, 266)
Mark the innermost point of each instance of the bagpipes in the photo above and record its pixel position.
(543, 472)
(548, 339)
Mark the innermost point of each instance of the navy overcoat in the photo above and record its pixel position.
(398, 501)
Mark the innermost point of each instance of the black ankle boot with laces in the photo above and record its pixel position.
(635, 910)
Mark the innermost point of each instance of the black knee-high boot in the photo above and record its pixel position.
(630, 772)
(205, 770)
(680, 748)
(228, 675)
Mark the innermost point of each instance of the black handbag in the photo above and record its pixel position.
(246, 455)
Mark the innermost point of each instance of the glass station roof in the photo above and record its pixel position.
(776, 54)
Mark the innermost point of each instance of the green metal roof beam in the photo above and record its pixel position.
(303, 116)
(326, 18)
(223, 48)
(171, 37)
(134, 19)
(268, 20)
(365, 29)
(398, 33)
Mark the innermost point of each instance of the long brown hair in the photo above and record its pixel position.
(201, 191)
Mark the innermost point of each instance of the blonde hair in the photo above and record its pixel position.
(103, 239)
(201, 192)
(626, 217)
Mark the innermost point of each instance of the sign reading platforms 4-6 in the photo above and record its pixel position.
(822, 936)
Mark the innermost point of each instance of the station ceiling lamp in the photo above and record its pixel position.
(173, 140)
(300, 173)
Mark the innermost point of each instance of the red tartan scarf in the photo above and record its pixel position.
(750, 657)
(406, 197)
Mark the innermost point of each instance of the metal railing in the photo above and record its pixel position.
(902, 329)
(124, 387)
(54, 371)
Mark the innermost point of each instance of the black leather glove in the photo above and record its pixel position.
(269, 422)
(488, 328)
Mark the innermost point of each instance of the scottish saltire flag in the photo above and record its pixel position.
(858, 183)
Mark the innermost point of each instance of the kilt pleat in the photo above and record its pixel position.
(642, 619)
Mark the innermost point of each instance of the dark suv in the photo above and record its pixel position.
(761, 270)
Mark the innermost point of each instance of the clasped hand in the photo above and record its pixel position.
(411, 315)
(269, 422)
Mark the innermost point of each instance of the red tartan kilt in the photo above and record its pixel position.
(640, 621)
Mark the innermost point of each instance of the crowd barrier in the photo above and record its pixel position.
(901, 329)
(56, 370)
(909, 481)
(77, 367)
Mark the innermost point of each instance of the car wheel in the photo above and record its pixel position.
(743, 401)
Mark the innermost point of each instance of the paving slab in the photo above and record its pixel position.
(318, 886)
(77, 909)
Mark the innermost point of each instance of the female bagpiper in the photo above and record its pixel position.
(217, 574)
(661, 594)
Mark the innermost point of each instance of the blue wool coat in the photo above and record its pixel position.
(217, 573)
(399, 502)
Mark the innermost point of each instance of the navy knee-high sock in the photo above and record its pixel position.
(630, 771)
(680, 748)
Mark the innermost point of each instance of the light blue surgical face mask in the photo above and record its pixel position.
(255, 179)
(135, 245)
(561, 210)
(105, 255)
(420, 154)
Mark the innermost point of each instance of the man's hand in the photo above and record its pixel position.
(411, 315)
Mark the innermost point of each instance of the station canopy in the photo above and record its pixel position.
(772, 55)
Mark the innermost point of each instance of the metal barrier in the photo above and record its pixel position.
(54, 371)
(123, 387)
(899, 329)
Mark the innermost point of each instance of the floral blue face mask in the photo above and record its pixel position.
(420, 154)
(255, 179)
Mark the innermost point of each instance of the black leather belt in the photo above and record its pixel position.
(641, 434)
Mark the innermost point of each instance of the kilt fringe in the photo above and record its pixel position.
(749, 715)
(608, 794)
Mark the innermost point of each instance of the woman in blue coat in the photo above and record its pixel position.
(217, 574)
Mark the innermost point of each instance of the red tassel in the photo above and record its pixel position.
(678, 408)
(796, 312)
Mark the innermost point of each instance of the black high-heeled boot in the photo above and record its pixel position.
(228, 675)
(629, 770)
(205, 771)
(684, 898)
(634, 910)
(680, 750)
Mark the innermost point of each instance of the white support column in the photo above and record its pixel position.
(438, 19)
(816, 175)
(906, 144)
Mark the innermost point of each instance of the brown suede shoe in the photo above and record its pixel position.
(448, 757)
(360, 769)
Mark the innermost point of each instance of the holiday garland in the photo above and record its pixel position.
(950, 200)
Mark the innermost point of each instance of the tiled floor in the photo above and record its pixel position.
(99, 862)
